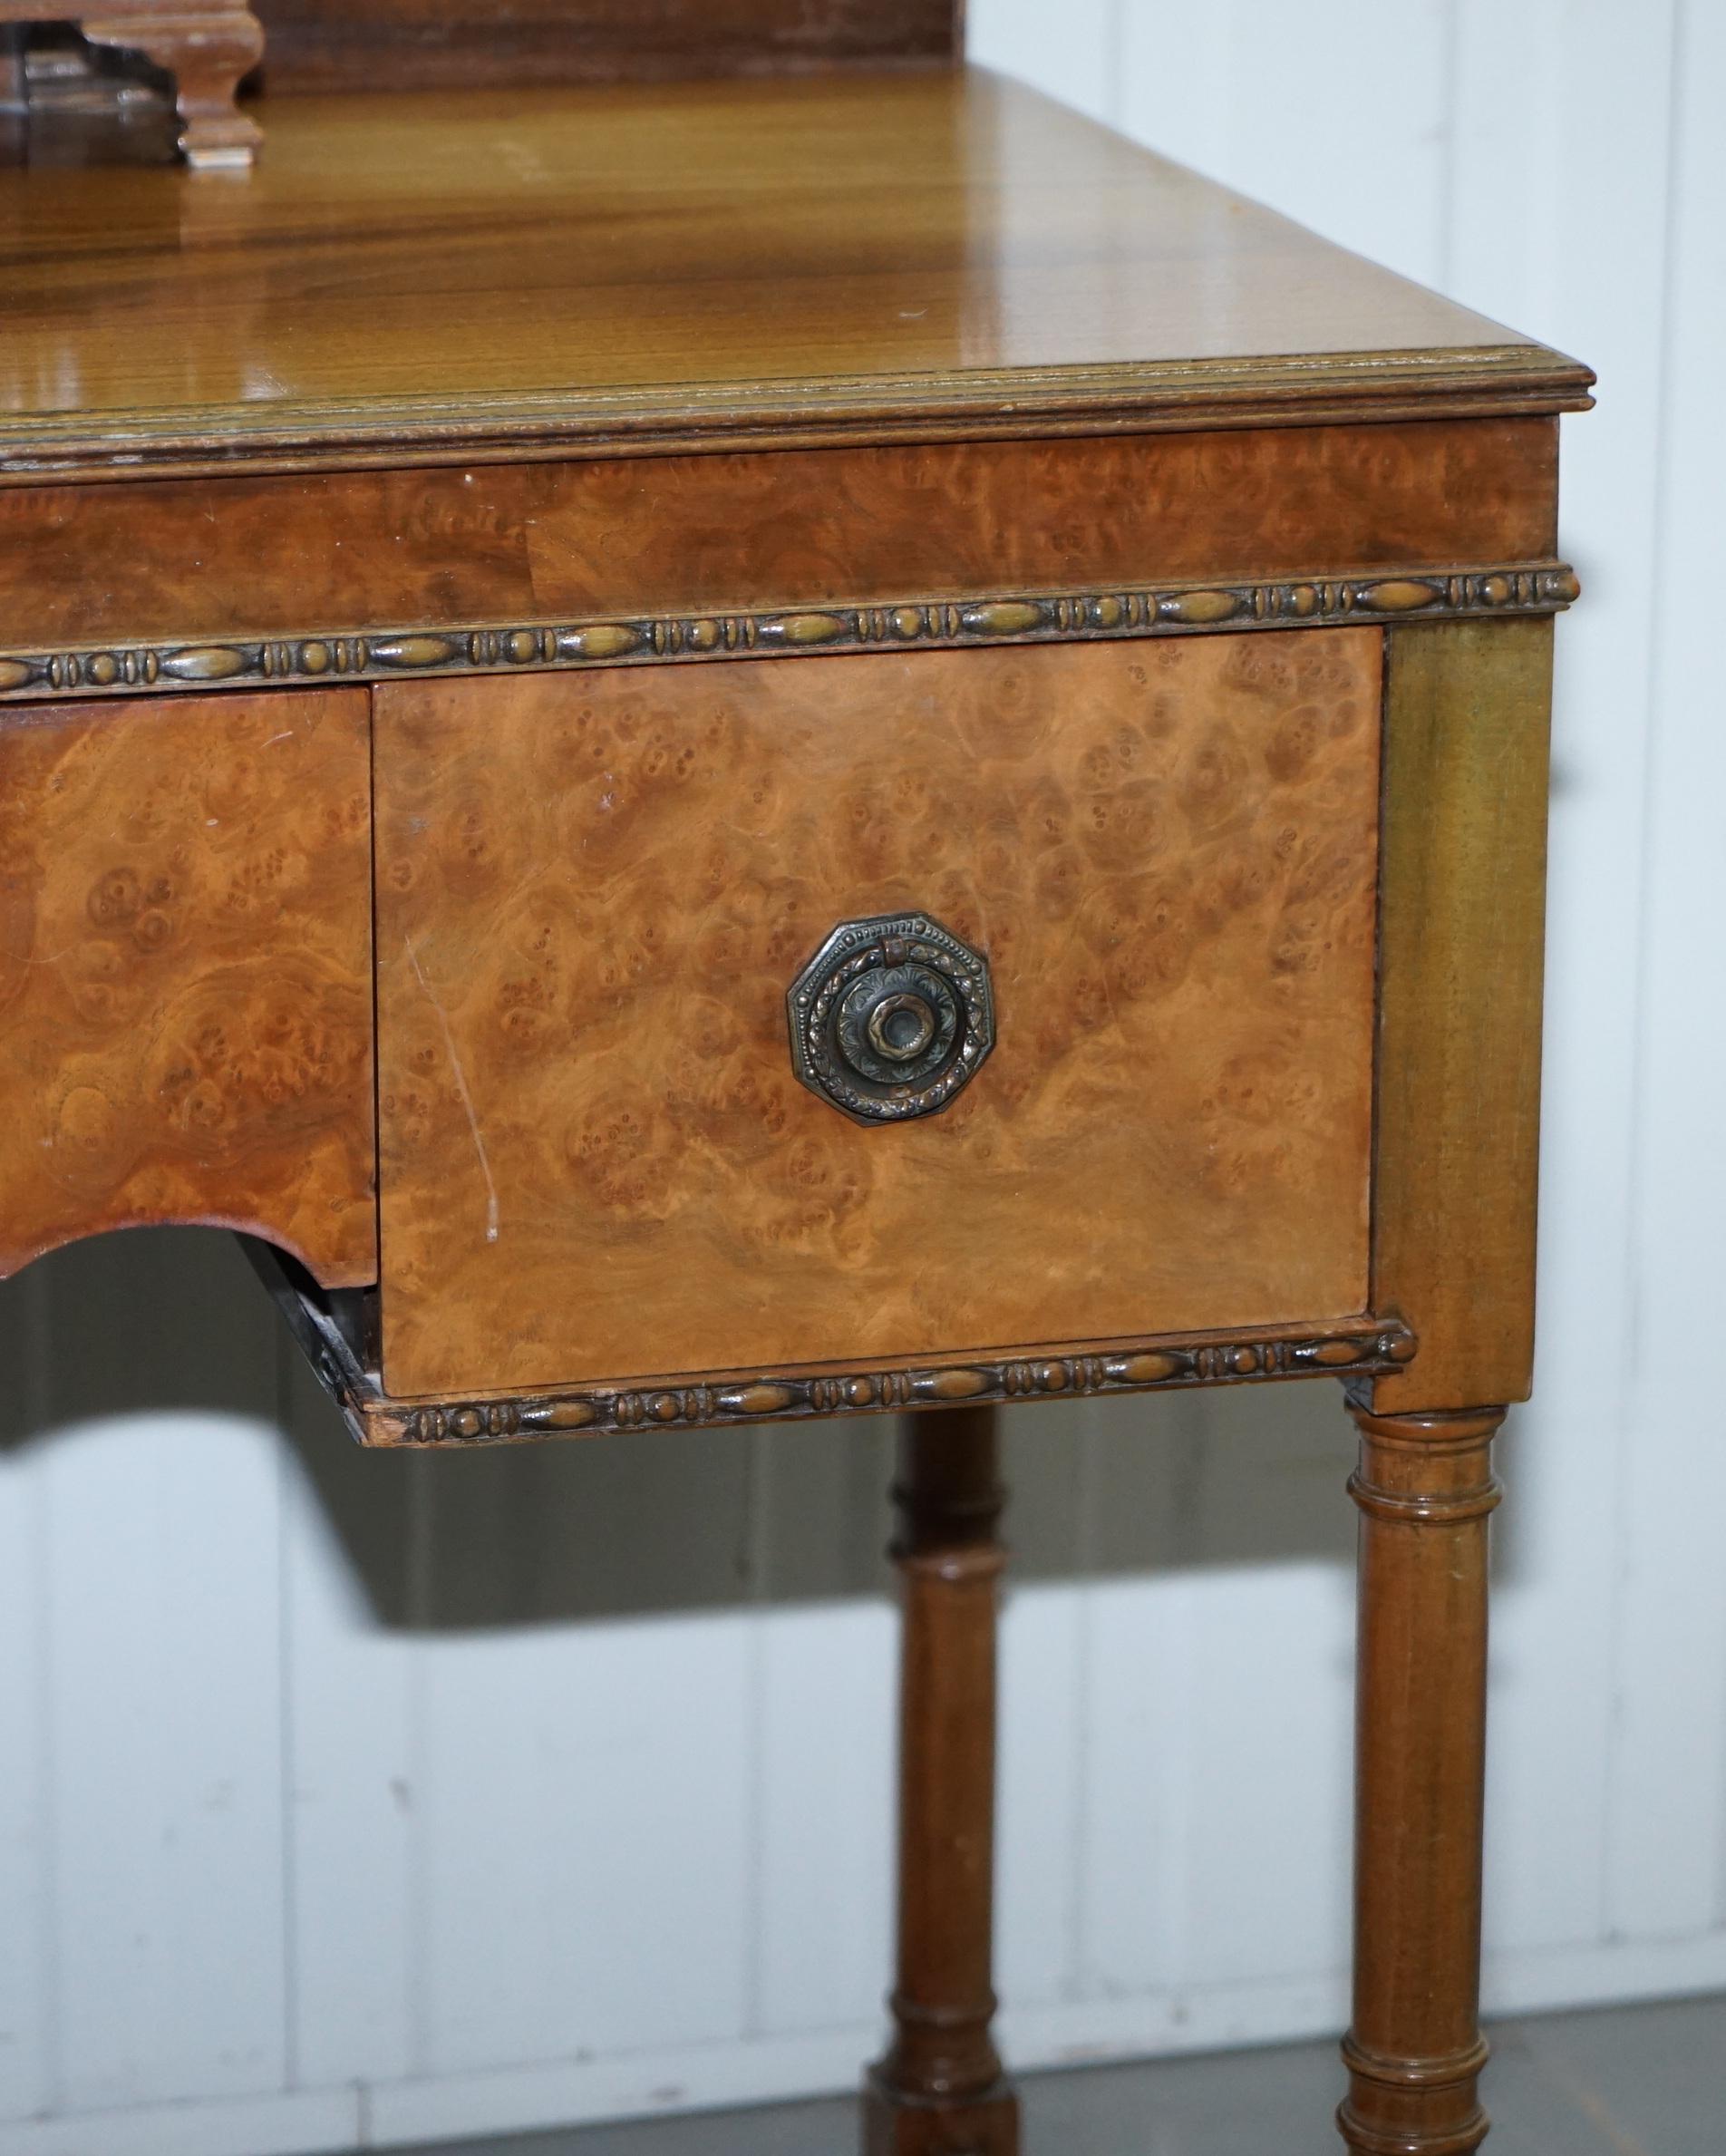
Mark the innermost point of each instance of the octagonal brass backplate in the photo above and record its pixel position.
(891, 1017)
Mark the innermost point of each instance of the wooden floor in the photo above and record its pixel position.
(1632, 2081)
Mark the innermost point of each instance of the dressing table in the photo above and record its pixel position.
(738, 726)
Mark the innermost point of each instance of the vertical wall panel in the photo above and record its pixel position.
(1136, 1502)
(1069, 52)
(1669, 1783)
(26, 2083)
(353, 1788)
(1270, 1627)
(1039, 1850)
(165, 1766)
(1595, 286)
(1039, 1809)
(823, 1729)
(1328, 113)
(162, 1617)
(1267, 1858)
(26, 2074)
(1508, 136)
(1140, 1676)
(586, 1839)
(825, 1742)
(582, 1768)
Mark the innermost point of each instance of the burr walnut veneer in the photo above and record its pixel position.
(745, 749)
(593, 891)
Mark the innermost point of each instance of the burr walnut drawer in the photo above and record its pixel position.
(596, 1158)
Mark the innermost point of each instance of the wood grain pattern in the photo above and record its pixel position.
(1425, 1490)
(940, 2087)
(185, 974)
(401, 45)
(592, 895)
(1466, 720)
(525, 273)
(524, 542)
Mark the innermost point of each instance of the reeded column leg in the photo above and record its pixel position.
(1425, 1488)
(940, 2090)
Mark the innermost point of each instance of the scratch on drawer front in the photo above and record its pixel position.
(459, 1077)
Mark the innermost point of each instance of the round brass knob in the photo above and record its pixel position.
(900, 1027)
(890, 1017)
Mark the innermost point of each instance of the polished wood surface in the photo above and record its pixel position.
(1463, 909)
(940, 2088)
(524, 542)
(594, 895)
(435, 277)
(1425, 1490)
(400, 45)
(185, 974)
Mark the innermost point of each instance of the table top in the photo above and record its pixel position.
(589, 271)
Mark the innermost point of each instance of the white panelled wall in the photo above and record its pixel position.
(348, 1800)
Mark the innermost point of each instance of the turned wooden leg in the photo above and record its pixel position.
(207, 50)
(1425, 1488)
(940, 2090)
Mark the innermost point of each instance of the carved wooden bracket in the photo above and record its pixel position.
(206, 46)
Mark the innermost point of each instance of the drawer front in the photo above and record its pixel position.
(186, 971)
(597, 1159)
